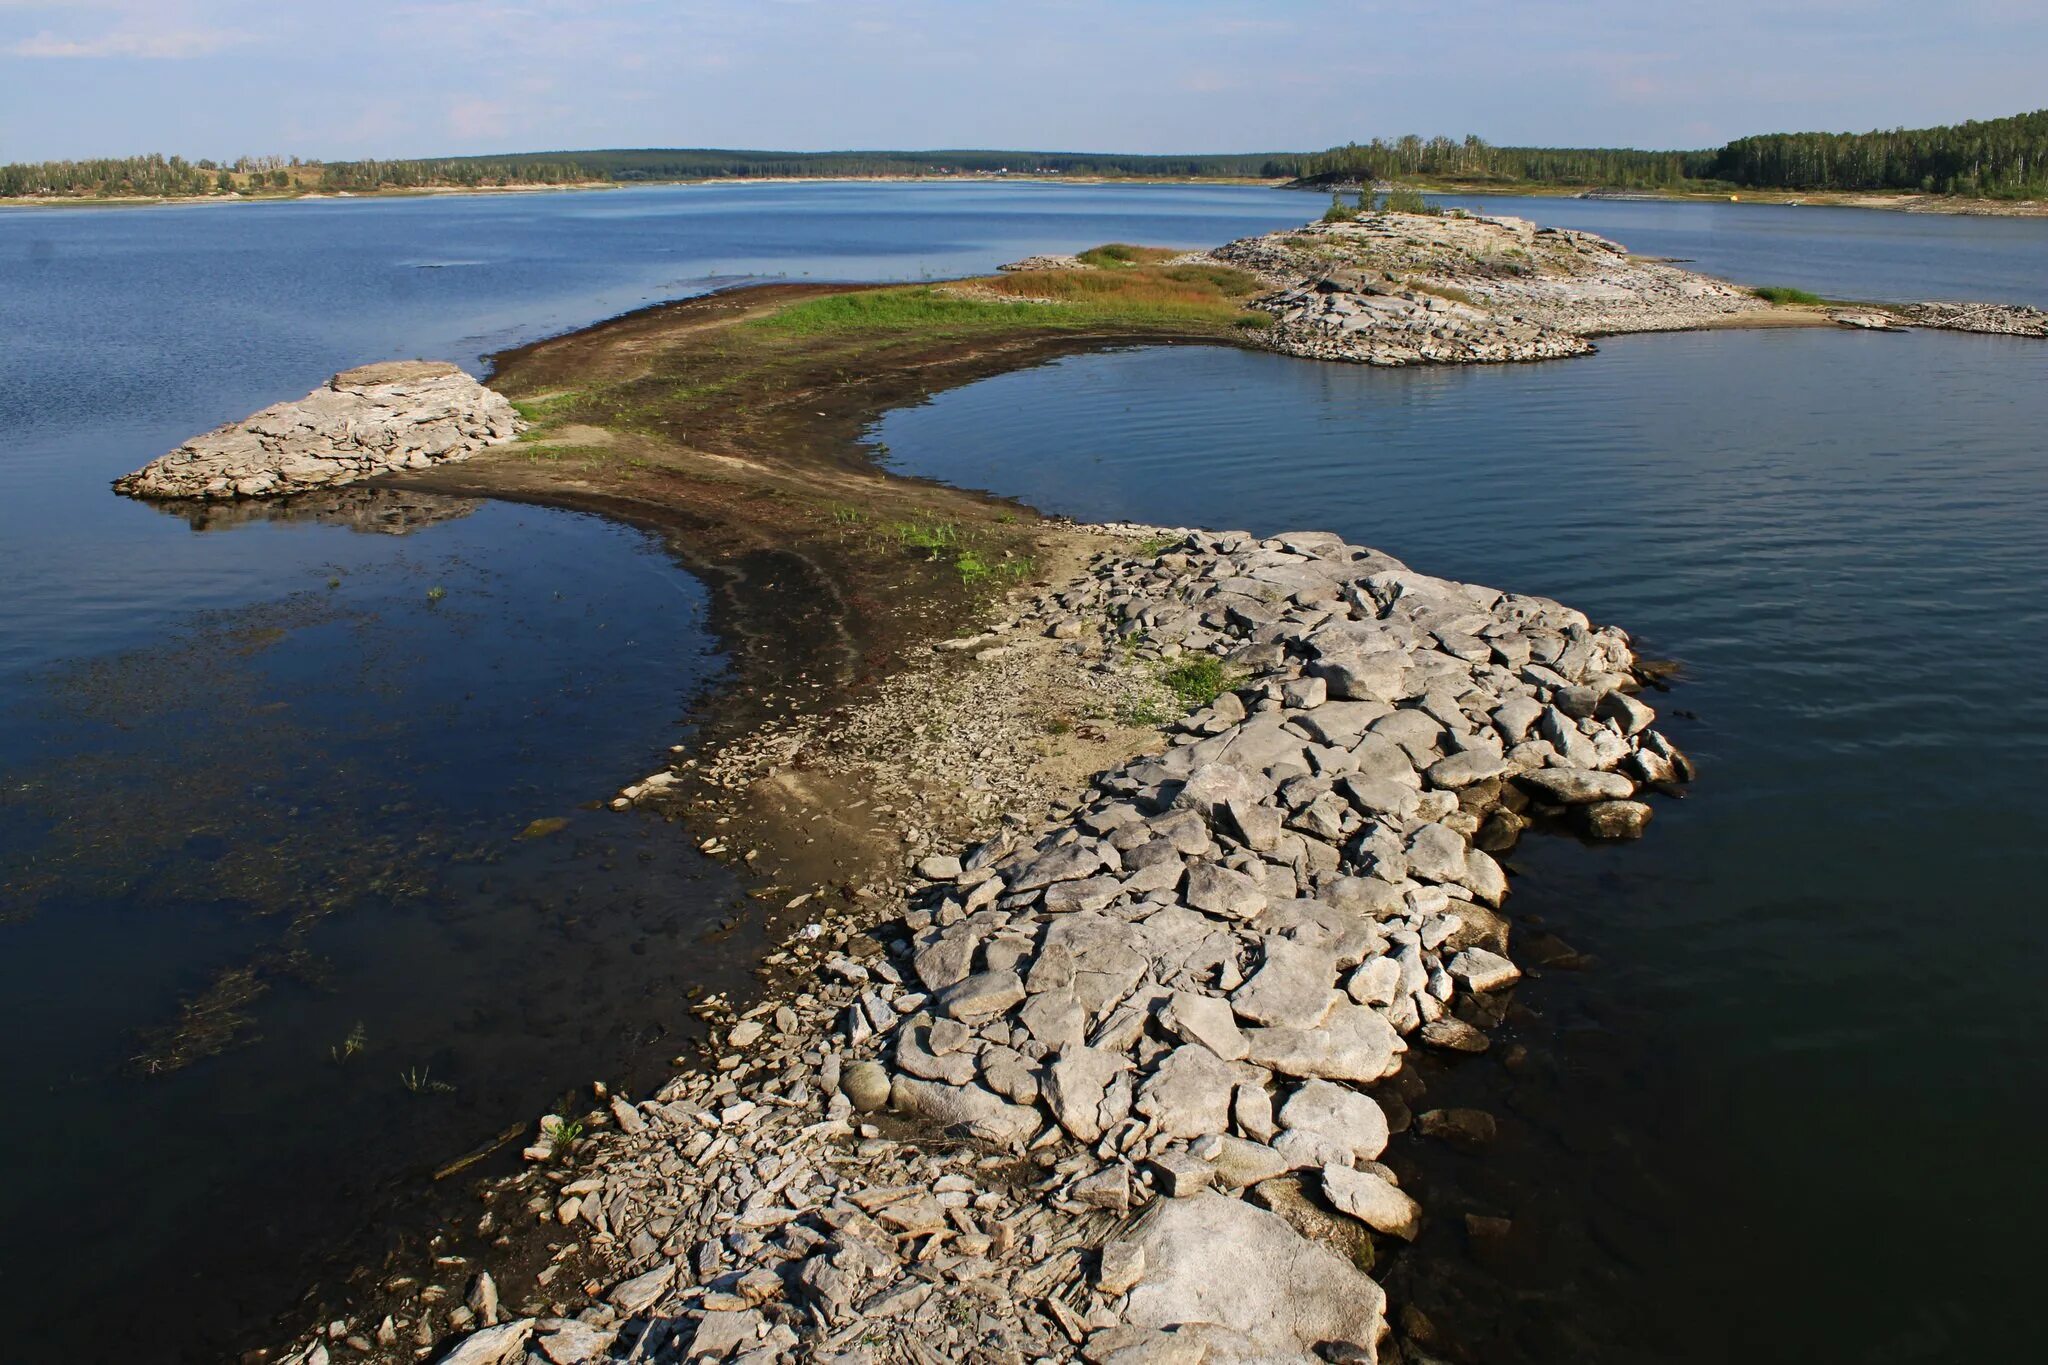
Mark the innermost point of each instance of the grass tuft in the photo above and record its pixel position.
(1122, 255)
(1783, 294)
(1198, 681)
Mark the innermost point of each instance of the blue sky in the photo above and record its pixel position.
(223, 78)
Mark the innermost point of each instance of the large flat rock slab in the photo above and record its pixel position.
(375, 419)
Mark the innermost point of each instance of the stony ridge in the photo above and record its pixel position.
(1407, 289)
(1996, 319)
(375, 419)
(1115, 1086)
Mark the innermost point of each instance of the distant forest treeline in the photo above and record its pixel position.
(1999, 158)
(1996, 158)
(1475, 160)
(657, 163)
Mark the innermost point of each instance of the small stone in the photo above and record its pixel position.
(1292, 989)
(1484, 971)
(1372, 1201)
(642, 1292)
(983, 994)
(1121, 1266)
(721, 1332)
(1616, 819)
(939, 867)
(1224, 893)
(1239, 1162)
(1453, 1035)
(1353, 1121)
(1189, 1094)
(1577, 786)
(1469, 1128)
(866, 1084)
(1204, 1019)
(1109, 1188)
(1183, 1175)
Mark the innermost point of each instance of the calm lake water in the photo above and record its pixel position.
(267, 772)
(1792, 1112)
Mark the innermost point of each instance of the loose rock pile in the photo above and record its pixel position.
(376, 419)
(1406, 289)
(1117, 1086)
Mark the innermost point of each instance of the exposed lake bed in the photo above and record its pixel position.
(1202, 363)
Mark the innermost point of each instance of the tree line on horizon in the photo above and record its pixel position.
(1994, 158)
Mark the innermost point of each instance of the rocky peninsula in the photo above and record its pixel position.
(1114, 916)
(375, 419)
(1115, 1084)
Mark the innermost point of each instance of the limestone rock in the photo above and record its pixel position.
(1353, 1122)
(1373, 1201)
(1209, 1259)
(1353, 1044)
(378, 419)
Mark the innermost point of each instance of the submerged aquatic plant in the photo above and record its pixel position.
(358, 1039)
(420, 1081)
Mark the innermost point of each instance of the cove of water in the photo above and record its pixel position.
(1790, 1112)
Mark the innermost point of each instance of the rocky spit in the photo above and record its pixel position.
(1408, 289)
(1115, 1083)
(1996, 319)
(375, 419)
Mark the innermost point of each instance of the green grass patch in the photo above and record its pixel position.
(919, 309)
(1198, 681)
(546, 406)
(1443, 291)
(1139, 295)
(977, 572)
(932, 537)
(1122, 255)
(1783, 294)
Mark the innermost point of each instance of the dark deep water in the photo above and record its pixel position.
(1792, 1112)
(268, 772)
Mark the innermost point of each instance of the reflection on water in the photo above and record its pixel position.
(372, 511)
(1802, 1074)
(278, 903)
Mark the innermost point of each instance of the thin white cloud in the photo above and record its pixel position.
(167, 45)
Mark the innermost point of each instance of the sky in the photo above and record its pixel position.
(396, 78)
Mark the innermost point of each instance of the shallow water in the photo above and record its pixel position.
(266, 748)
(1790, 1114)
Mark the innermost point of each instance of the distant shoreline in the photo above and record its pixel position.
(1899, 202)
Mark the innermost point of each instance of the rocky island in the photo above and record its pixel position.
(375, 419)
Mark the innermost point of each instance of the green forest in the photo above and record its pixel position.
(1996, 158)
